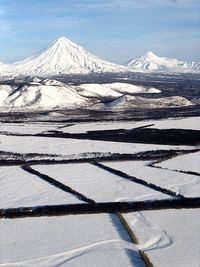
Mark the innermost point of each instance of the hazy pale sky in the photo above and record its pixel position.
(116, 30)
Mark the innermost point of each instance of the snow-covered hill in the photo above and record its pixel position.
(150, 62)
(51, 94)
(127, 101)
(63, 57)
(44, 97)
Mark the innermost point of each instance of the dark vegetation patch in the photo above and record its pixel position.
(108, 207)
(138, 135)
(92, 115)
(11, 159)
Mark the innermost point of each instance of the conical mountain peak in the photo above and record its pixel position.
(64, 41)
(64, 57)
(150, 55)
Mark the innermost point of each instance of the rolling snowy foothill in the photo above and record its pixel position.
(50, 94)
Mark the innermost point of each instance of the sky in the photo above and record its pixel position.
(116, 30)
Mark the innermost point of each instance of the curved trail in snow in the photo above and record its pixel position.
(63, 257)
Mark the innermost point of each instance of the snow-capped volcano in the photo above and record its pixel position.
(63, 57)
(153, 63)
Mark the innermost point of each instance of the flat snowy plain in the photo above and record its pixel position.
(40, 171)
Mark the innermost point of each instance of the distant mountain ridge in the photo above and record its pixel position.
(65, 57)
(149, 62)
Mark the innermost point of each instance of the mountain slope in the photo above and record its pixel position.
(5, 69)
(45, 97)
(150, 62)
(63, 57)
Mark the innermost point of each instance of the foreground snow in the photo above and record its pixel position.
(183, 163)
(93, 181)
(20, 189)
(65, 241)
(168, 237)
(180, 183)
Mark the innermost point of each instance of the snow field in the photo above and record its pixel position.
(67, 241)
(21, 189)
(186, 163)
(99, 184)
(187, 185)
(168, 237)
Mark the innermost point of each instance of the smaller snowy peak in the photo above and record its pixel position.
(149, 55)
(150, 62)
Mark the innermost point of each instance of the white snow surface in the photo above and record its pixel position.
(149, 62)
(28, 128)
(192, 123)
(113, 90)
(99, 184)
(5, 90)
(168, 237)
(5, 70)
(74, 147)
(181, 183)
(188, 162)
(89, 240)
(21, 189)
